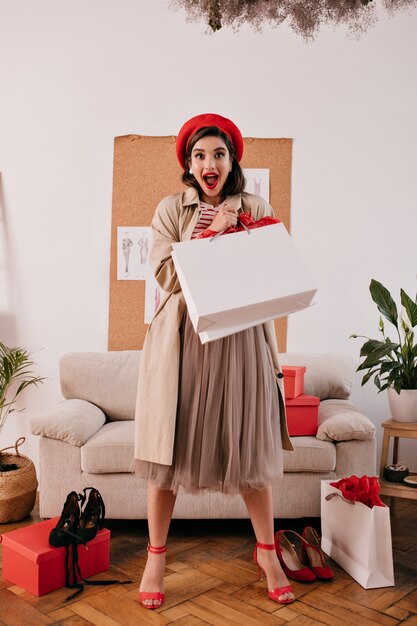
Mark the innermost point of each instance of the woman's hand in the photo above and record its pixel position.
(225, 218)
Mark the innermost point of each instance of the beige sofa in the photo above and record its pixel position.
(87, 440)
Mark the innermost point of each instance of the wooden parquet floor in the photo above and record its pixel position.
(211, 579)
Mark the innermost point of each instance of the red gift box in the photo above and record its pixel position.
(293, 380)
(31, 563)
(302, 415)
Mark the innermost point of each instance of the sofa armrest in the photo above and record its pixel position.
(72, 421)
(356, 457)
(340, 421)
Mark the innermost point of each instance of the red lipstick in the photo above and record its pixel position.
(211, 180)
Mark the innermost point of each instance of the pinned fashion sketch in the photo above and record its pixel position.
(133, 243)
(143, 244)
(257, 181)
(127, 243)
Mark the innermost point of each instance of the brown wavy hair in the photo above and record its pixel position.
(235, 182)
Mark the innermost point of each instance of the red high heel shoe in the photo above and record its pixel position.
(312, 554)
(289, 560)
(153, 595)
(276, 593)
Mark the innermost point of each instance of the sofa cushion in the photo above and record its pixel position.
(107, 379)
(340, 421)
(310, 455)
(110, 450)
(327, 375)
(72, 421)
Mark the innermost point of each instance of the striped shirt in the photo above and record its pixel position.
(207, 215)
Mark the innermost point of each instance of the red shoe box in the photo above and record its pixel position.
(302, 415)
(31, 563)
(293, 380)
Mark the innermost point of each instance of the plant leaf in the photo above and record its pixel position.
(383, 387)
(389, 366)
(368, 376)
(410, 307)
(382, 298)
(370, 346)
(15, 367)
(377, 356)
(398, 386)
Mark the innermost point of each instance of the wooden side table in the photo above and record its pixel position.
(406, 430)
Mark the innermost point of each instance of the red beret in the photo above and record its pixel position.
(201, 121)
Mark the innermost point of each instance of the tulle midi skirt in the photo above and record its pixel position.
(227, 433)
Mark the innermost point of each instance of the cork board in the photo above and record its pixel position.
(145, 171)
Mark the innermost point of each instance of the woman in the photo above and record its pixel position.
(208, 416)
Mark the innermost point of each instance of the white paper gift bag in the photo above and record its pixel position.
(357, 537)
(235, 281)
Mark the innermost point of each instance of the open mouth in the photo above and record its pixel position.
(211, 180)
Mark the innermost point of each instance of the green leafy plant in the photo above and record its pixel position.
(392, 363)
(15, 375)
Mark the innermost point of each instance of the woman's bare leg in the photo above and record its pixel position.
(259, 505)
(160, 508)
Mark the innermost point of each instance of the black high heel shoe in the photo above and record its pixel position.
(92, 516)
(75, 527)
(66, 530)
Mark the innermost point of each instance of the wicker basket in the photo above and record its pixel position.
(17, 487)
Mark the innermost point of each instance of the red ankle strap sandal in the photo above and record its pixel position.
(153, 595)
(156, 550)
(275, 594)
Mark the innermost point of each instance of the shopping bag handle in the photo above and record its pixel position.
(220, 232)
(330, 496)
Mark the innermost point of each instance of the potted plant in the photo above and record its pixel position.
(18, 481)
(15, 376)
(393, 363)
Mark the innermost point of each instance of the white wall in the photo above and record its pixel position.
(73, 75)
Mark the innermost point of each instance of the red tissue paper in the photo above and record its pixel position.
(365, 490)
(245, 221)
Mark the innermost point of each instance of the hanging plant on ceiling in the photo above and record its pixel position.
(304, 17)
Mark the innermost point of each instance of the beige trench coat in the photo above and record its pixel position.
(156, 405)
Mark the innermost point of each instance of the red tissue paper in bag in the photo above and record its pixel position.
(245, 221)
(365, 490)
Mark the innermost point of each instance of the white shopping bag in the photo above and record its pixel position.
(235, 281)
(357, 537)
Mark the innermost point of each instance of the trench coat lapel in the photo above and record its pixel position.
(191, 202)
